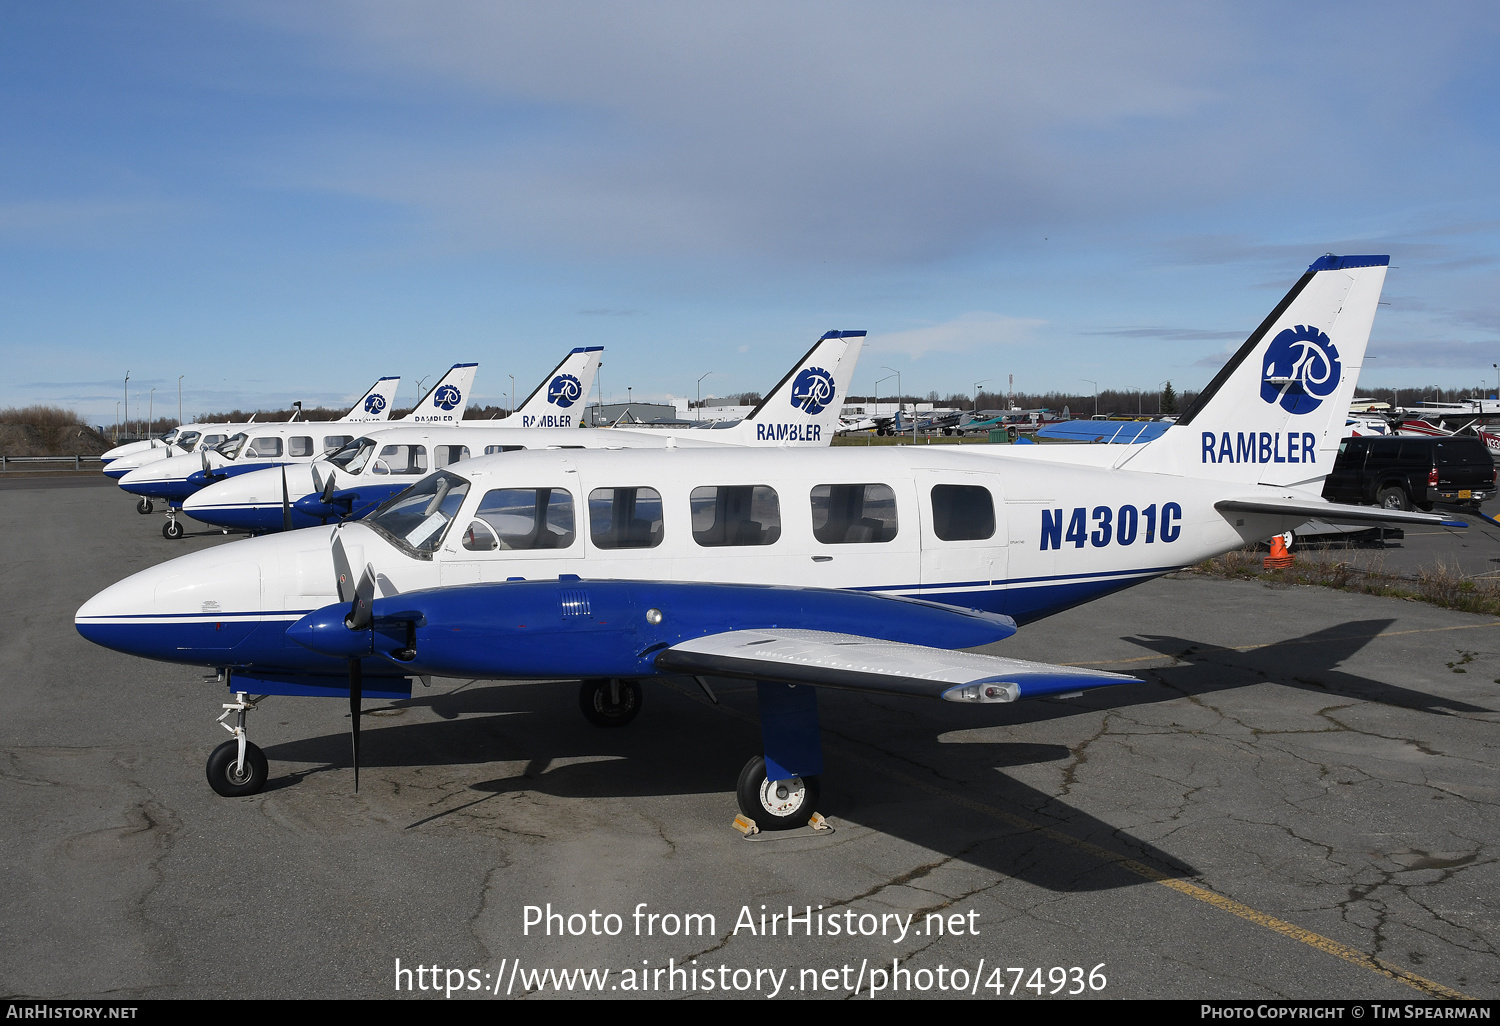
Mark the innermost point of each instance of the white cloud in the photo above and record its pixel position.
(966, 334)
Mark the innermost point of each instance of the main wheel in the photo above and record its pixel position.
(144, 506)
(230, 782)
(171, 529)
(1393, 497)
(607, 706)
(776, 804)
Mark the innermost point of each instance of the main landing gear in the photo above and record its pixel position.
(780, 789)
(144, 507)
(237, 768)
(171, 530)
(609, 701)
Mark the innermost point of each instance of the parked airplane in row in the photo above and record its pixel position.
(373, 406)
(172, 480)
(863, 569)
(801, 410)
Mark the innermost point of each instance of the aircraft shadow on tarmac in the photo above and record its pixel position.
(683, 746)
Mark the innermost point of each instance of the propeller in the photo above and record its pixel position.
(286, 503)
(360, 596)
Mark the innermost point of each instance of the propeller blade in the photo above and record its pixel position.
(364, 595)
(341, 571)
(356, 692)
(328, 488)
(286, 503)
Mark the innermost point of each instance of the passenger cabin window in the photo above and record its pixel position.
(735, 515)
(625, 518)
(522, 518)
(299, 445)
(263, 448)
(333, 443)
(844, 514)
(490, 450)
(962, 512)
(446, 454)
(401, 459)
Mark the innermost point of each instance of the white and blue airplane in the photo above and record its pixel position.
(801, 410)
(868, 569)
(373, 406)
(173, 479)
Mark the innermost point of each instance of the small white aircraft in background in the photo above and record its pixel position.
(800, 410)
(174, 478)
(864, 569)
(373, 406)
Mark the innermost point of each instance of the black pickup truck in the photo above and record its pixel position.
(1401, 472)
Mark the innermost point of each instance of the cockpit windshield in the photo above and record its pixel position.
(231, 446)
(186, 440)
(417, 519)
(170, 436)
(353, 457)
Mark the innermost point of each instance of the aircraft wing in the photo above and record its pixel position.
(1332, 512)
(856, 663)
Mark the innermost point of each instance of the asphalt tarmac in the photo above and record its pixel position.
(1299, 803)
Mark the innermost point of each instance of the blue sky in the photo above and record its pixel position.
(283, 201)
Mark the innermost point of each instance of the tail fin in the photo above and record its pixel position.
(1275, 414)
(376, 403)
(803, 408)
(560, 399)
(445, 403)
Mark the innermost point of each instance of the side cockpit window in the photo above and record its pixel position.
(522, 518)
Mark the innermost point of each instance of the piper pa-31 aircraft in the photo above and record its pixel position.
(616, 567)
(373, 406)
(801, 410)
(271, 445)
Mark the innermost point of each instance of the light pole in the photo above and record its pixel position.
(512, 392)
(421, 384)
(976, 392)
(700, 394)
(1096, 393)
(151, 411)
(117, 423)
(127, 402)
(179, 399)
(899, 393)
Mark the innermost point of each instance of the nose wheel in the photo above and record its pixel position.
(144, 506)
(237, 768)
(609, 701)
(171, 530)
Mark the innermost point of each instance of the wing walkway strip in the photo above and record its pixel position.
(1325, 944)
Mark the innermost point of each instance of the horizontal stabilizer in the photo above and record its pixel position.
(1330, 512)
(855, 663)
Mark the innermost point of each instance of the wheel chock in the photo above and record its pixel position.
(820, 822)
(745, 825)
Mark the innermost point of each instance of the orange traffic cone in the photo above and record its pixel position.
(1280, 558)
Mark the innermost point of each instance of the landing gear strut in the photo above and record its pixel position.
(237, 768)
(780, 789)
(609, 701)
(144, 506)
(171, 530)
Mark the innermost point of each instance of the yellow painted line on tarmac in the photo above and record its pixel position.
(1314, 940)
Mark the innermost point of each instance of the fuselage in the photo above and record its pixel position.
(1020, 537)
(254, 447)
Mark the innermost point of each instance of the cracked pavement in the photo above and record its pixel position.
(1309, 754)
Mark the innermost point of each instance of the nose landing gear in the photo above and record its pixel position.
(171, 530)
(144, 506)
(237, 768)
